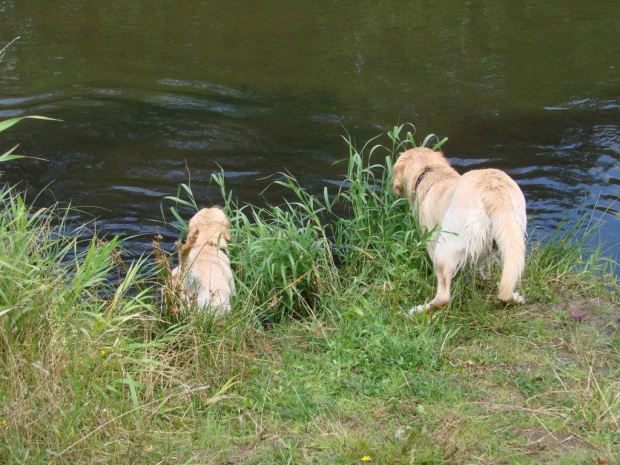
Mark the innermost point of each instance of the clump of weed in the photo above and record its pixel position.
(85, 359)
(569, 256)
(291, 259)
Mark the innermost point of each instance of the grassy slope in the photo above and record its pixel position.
(318, 364)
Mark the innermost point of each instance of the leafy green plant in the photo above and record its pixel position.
(4, 125)
(377, 232)
(571, 249)
(183, 198)
(283, 256)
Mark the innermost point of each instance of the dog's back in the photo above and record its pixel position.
(214, 280)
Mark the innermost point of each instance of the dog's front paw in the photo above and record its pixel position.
(419, 309)
(516, 299)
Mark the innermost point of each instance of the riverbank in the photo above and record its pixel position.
(318, 363)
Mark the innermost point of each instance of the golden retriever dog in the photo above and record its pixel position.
(473, 214)
(204, 275)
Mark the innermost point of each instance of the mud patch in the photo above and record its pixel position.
(548, 440)
(597, 312)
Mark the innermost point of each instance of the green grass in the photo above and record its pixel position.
(318, 362)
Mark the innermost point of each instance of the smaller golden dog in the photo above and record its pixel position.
(472, 213)
(204, 275)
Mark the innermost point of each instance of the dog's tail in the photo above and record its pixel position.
(509, 234)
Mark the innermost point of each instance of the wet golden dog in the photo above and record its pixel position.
(204, 275)
(471, 213)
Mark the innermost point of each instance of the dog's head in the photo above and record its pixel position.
(399, 180)
(410, 166)
(209, 224)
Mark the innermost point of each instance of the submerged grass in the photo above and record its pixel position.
(318, 362)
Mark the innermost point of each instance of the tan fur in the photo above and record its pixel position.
(204, 273)
(470, 212)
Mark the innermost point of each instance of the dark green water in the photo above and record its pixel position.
(146, 88)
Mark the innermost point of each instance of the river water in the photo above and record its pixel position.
(149, 90)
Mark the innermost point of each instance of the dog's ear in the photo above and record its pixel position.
(397, 184)
(398, 190)
(193, 230)
(192, 233)
(227, 233)
(190, 240)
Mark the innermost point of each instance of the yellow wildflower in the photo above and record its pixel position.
(366, 458)
(3, 422)
(102, 352)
